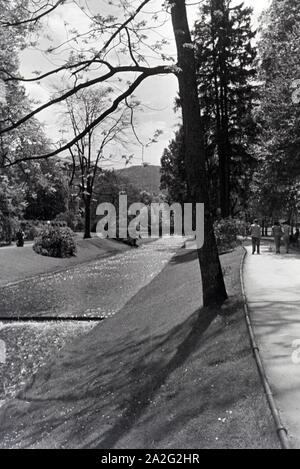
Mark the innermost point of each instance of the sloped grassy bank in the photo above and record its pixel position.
(162, 373)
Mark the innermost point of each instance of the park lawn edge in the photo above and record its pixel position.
(238, 414)
(215, 399)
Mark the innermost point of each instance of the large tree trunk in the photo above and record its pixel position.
(87, 218)
(213, 286)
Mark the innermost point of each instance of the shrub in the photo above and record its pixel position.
(55, 241)
(226, 232)
(72, 219)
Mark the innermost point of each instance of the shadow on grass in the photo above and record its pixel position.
(155, 373)
(105, 387)
(188, 255)
(107, 391)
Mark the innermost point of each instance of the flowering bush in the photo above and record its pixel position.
(55, 241)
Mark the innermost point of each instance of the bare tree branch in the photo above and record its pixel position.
(118, 31)
(114, 70)
(130, 48)
(132, 123)
(149, 72)
(51, 72)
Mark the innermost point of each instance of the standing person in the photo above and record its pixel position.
(296, 237)
(286, 235)
(20, 235)
(255, 232)
(277, 233)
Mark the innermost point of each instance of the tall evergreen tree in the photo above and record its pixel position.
(225, 61)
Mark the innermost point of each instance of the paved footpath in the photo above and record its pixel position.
(272, 284)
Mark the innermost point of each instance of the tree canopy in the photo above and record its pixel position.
(276, 187)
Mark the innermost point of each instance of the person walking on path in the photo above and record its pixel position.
(255, 232)
(286, 235)
(277, 233)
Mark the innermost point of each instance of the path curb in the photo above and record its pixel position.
(280, 428)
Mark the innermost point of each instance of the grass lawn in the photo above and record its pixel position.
(214, 398)
(161, 373)
(236, 410)
(19, 263)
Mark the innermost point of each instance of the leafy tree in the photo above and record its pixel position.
(108, 187)
(89, 152)
(109, 184)
(173, 173)
(13, 102)
(275, 188)
(12, 206)
(46, 190)
(24, 190)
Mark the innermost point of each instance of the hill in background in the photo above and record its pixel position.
(145, 178)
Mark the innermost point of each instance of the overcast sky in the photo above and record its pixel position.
(157, 93)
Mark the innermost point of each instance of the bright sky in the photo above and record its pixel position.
(157, 93)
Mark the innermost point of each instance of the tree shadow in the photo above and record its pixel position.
(146, 365)
(151, 374)
(185, 256)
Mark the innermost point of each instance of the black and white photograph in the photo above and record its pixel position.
(149, 227)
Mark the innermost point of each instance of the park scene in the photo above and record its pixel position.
(149, 225)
